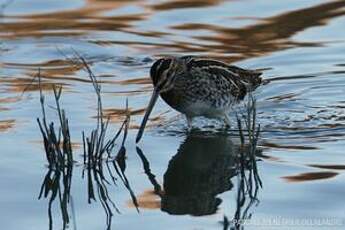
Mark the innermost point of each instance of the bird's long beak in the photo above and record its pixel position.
(153, 100)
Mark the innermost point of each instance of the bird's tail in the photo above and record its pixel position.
(252, 79)
(256, 80)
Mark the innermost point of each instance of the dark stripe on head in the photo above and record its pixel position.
(158, 68)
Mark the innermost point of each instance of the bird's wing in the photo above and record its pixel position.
(223, 78)
(251, 79)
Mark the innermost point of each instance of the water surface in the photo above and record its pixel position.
(181, 180)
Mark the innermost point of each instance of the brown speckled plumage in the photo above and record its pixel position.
(211, 82)
(199, 86)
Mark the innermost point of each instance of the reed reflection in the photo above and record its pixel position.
(101, 179)
(57, 185)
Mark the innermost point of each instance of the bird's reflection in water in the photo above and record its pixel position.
(205, 166)
(201, 169)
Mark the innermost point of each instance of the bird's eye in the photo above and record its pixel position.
(165, 65)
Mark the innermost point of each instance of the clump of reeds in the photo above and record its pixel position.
(249, 146)
(96, 145)
(59, 155)
(249, 181)
(97, 148)
(57, 142)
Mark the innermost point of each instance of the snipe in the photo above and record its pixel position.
(199, 87)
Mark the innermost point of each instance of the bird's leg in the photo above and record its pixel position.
(227, 121)
(189, 122)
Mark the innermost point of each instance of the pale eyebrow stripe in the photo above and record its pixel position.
(159, 66)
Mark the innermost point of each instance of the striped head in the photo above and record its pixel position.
(163, 73)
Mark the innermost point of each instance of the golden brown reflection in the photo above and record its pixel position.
(8, 100)
(5, 125)
(60, 72)
(269, 35)
(69, 22)
(280, 146)
(266, 36)
(334, 167)
(21, 84)
(117, 115)
(74, 145)
(148, 200)
(170, 5)
(310, 176)
(138, 81)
